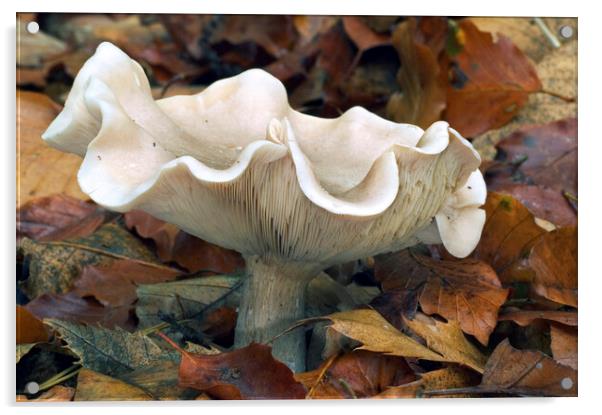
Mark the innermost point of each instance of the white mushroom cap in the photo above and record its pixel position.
(237, 166)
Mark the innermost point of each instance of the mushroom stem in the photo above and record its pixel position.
(273, 298)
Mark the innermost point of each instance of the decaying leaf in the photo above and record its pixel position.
(357, 374)
(53, 266)
(448, 340)
(554, 260)
(466, 291)
(489, 81)
(160, 379)
(423, 96)
(247, 373)
(72, 307)
(526, 317)
(94, 386)
(378, 335)
(41, 170)
(564, 344)
(526, 372)
(111, 352)
(509, 233)
(115, 284)
(174, 245)
(29, 328)
(57, 217)
(183, 299)
(450, 377)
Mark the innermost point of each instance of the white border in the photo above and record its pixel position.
(590, 157)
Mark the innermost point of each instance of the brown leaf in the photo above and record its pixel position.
(114, 284)
(41, 170)
(543, 202)
(58, 217)
(525, 317)
(159, 379)
(377, 335)
(72, 307)
(554, 260)
(509, 233)
(547, 156)
(190, 252)
(466, 291)
(362, 35)
(423, 93)
(94, 386)
(448, 340)
(358, 374)
(564, 344)
(450, 377)
(247, 373)
(527, 372)
(57, 393)
(308, 27)
(490, 81)
(29, 328)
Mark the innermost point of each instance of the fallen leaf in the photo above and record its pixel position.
(58, 217)
(423, 95)
(527, 372)
(29, 328)
(524, 33)
(490, 81)
(509, 234)
(362, 35)
(357, 374)
(247, 373)
(558, 74)
(115, 284)
(72, 307)
(525, 317)
(466, 291)
(448, 340)
(190, 252)
(554, 260)
(58, 393)
(184, 298)
(53, 266)
(564, 344)
(542, 202)
(33, 49)
(160, 379)
(546, 154)
(378, 335)
(94, 386)
(308, 27)
(41, 170)
(450, 377)
(111, 352)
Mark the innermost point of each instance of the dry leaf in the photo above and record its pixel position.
(554, 260)
(94, 386)
(564, 344)
(490, 81)
(58, 393)
(527, 372)
(247, 373)
(448, 340)
(58, 217)
(423, 95)
(466, 291)
(41, 170)
(29, 328)
(526, 317)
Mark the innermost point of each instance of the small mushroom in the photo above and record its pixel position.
(295, 194)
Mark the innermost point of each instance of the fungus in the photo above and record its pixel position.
(294, 194)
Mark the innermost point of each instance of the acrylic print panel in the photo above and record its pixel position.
(295, 207)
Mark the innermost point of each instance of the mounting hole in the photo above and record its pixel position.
(566, 31)
(32, 388)
(33, 27)
(566, 383)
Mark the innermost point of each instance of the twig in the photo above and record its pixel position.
(60, 377)
(327, 365)
(547, 32)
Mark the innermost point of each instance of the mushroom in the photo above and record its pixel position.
(294, 194)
